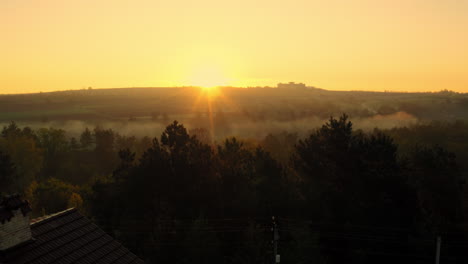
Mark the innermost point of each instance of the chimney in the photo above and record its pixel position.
(14, 222)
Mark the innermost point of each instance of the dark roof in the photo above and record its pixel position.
(68, 237)
(12, 203)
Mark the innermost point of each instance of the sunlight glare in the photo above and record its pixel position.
(208, 78)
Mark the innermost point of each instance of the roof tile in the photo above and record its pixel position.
(69, 237)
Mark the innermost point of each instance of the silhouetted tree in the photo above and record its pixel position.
(25, 154)
(86, 139)
(435, 175)
(7, 174)
(53, 196)
(104, 152)
(352, 178)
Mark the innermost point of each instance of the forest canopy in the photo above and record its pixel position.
(184, 192)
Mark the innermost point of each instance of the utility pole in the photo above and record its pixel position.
(276, 256)
(439, 241)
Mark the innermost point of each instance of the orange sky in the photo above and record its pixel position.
(404, 45)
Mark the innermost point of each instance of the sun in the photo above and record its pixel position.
(208, 78)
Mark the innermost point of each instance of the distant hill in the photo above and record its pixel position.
(259, 103)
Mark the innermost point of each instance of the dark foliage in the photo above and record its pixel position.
(339, 195)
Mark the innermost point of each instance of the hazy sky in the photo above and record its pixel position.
(411, 45)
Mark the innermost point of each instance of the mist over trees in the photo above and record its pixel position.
(242, 112)
(338, 194)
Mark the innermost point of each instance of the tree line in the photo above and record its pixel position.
(338, 195)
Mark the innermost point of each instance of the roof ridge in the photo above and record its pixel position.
(44, 219)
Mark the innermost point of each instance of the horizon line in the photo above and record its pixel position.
(228, 86)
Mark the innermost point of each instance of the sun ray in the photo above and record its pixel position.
(210, 84)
